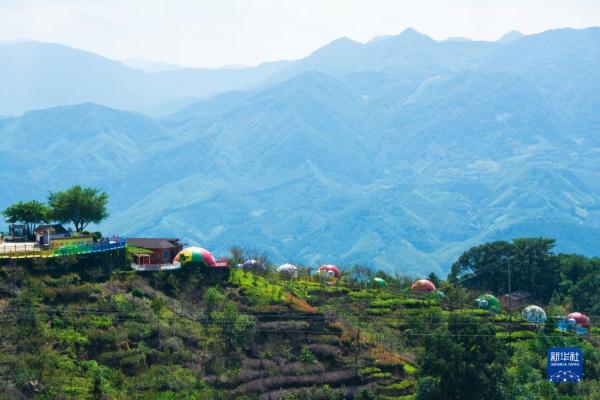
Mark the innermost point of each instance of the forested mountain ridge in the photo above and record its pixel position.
(399, 153)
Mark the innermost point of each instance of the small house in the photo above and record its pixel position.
(17, 233)
(163, 250)
(518, 299)
(45, 234)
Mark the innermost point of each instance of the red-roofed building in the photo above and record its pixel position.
(163, 249)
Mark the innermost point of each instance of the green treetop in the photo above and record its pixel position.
(30, 213)
(462, 360)
(80, 206)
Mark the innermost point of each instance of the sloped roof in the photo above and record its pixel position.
(517, 295)
(154, 243)
(54, 228)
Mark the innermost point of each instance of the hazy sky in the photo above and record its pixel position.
(210, 33)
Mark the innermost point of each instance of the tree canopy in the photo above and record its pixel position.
(464, 350)
(533, 267)
(30, 213)
(80, 206)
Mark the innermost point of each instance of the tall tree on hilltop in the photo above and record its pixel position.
(534, 268)
(80, 206)
(484, 266)
(30, 213)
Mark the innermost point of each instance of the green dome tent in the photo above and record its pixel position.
(378, 282)
(489, 302)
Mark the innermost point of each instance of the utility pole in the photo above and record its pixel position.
(356, 351)
(509, 301)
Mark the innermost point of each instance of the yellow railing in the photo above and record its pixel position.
(31, 250)
(27, 254)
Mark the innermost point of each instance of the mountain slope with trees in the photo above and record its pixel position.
(402, 165)
(74, 329)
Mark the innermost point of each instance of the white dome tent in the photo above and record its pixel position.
(288, 270)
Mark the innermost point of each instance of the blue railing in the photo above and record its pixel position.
(105, 245)
(25, 251)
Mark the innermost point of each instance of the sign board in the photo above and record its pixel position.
(222, 262)
(565, 364)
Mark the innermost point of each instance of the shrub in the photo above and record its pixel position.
(324, 351)
(128, 360)
(71, 293)
(284, 326)
(100, 340)
(100, 321)
(402, 385)
(428, 388)
(409, 369)
(236, 329)
(161, 378)
(378, 311)
(307, 356)
(68, 337)
(523, 335)
(336, 326)
(363, 294)
(368, 371)
(121, 304)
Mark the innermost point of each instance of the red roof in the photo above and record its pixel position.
(155, 243)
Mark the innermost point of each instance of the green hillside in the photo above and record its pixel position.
(74, 330)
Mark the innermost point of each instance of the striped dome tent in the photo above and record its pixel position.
(195, 257)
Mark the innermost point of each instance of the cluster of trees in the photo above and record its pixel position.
(463, 359)
(550, 278)
(76, 205)
(533, 267)
(235, 330)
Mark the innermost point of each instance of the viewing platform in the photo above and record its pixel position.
(18, 250)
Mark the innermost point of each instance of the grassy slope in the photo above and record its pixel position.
(72, 335)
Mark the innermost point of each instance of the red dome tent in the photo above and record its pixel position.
(423, 285)
(580, 319)
(329, 270)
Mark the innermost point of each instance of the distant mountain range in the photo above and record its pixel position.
(399, 153)
(37, 75)
(150, 66)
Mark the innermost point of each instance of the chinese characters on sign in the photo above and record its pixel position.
(565, 364)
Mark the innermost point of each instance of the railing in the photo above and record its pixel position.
(18, 247)
(155, 267)
(32, 250)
